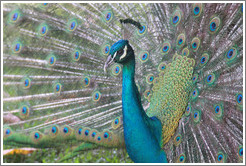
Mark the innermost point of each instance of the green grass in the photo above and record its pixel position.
(100, 155)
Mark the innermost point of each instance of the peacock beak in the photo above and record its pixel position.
(108, 62)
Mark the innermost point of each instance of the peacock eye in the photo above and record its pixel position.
(53, 130)
(7, 132)
(36, 135)
(120, 52)
(93, 134)
(79, 131)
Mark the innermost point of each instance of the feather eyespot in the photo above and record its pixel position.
(96, 96)
(51, 59)
(231, 54)
(181, 158)
(197, 9)
(36, 136)
(116, 69)
(240, 152)
(147, 93)
(210, 79)
(204, 59)
(195, 43)
(57, 87)
(99, 138)
(76, 55)
(106, 50)
(7, 132)
(26, 82)
(86, 132)
(214, 25)
(107, 16)
(150, 78)
(194, 94)
(144, 56)
(17, 47)
(24, 111)
(93, 134)
(65, 130)
(188, 110)
(54, 131)
(166, 46)
(197, 116)
(176, 18)
(162, 66)
(85, 81)
(43, 29)
(116, 123)
(106, 135)
(181, 40)
(14, 16)
(219, 111)
(185, 52)
(221, 158)
(239, 98)
(177, 140)
(142, 30)
(195, 78)
(79, 131)
(72, 25)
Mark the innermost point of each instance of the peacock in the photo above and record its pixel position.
(164, 81)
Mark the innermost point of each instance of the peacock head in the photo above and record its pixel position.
(120, 52)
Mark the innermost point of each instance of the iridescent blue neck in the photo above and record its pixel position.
(142, 134)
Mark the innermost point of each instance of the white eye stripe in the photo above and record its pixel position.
(125, 51)
(114, 55)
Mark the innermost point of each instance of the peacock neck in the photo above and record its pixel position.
(140, 139)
